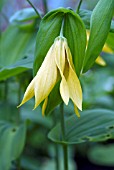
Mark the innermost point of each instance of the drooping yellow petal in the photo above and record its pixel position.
(44, 106)
(76, 110)
(75, 91)
(107, 49)
(46, 77)
(60, 62)
(29, 93)
(100, 61)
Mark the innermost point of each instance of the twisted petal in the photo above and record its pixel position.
(60, 62)
(46, 77)
(100, 61)
(44, 106)
(73, 82)
(29, 93)
(107, 49)
(76, 110)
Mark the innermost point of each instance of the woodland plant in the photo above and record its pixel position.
(66, 47)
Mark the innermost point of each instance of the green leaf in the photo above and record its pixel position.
(75, 32)
(12, 140)
(93, 125)
(17, 68)
(15, 44)
(99, 29)
(49, 29)
(102, 155)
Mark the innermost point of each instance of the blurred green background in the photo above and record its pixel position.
(23, 133)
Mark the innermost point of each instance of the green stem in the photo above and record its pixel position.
(33, 7)
(65, 150)
(61, 31)
(79, 5)
(45, 6)
(57, 157)
(19, 101)
(56, 145)
(65, 147)
(6, 90)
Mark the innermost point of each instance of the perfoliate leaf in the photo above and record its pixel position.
(49, 29)
(93, 125)
(99, 28)
(75, 32)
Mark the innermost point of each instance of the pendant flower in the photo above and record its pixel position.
(57, 65)
(105, 49)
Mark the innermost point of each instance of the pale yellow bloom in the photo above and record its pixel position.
(105, 49)
(56, 65)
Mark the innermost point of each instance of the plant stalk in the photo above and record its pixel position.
(79, 5)
(33, 7)
(65, 147)
(45, 6)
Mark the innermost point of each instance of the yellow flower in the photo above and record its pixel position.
(105, 49)
(56, 65)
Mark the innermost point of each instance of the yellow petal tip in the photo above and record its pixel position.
(20, 105)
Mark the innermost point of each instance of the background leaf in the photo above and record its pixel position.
(23, 15)
(14, 69)
(102, 155)
(86, 16)
(12, 140)
(93, 125)
(99, 28)
(15, 44)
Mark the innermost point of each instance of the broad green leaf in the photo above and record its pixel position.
(15, 44)
(99, 29)
(24, 15)
(12, 140)
(49, 29)
(102, 155)
(92, 126)
(75, 32)
(14, 69)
